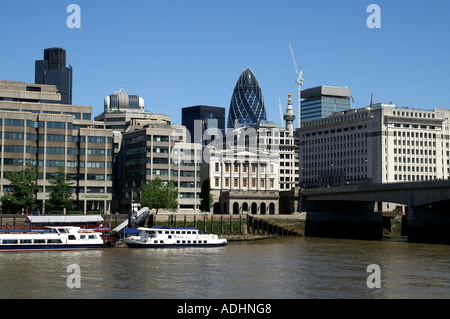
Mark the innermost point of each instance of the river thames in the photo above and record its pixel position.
(276, 268)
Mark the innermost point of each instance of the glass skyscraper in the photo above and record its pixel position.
(53, 70)
(247, 103)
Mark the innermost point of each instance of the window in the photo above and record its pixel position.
(61, 125)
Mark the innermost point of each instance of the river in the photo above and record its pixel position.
(275, 268)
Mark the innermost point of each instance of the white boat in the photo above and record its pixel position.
(160, 237)
(50, 238)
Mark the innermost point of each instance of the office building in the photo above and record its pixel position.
(150, 150)
(252, 166)
(322, 101)
(377, 144)
(49, 135)
(121, 100)
(247, 103)
(120, 108)
(199, 118)
(52, 70)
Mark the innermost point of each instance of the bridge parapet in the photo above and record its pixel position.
(377, 187)
(407, 193)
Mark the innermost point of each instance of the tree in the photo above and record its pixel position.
(206, 200)
(157, 194)
(24, 187)
(60, 193)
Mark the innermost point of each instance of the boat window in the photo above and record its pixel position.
(62, 230)
(25, 241)
(178, 231)
(194, 241)
(82, 236)
(10, 241)
(54, 241)
(189, 241)
(172, 232)
(39, 241)
(184, 242)
(161, 241)
(159, 231)
(188, 232)
(178, 241)
(72, 237)
(92, 237)
(183, 232)
(167, 231)
(155, 241)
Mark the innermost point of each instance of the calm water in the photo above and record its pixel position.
(277, 268)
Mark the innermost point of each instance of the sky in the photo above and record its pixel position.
(179, 53)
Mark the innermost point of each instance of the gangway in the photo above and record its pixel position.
(141, 215)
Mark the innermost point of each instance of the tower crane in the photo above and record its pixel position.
(281, 112)
(299, 82)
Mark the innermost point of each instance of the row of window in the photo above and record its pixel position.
(55, 137)
(245, 182)
(57, 163)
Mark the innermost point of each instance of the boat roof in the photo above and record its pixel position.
(66, 219)
(165, 227)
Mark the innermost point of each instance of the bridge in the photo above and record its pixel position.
(351, 210)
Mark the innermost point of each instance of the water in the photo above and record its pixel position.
(275, 268)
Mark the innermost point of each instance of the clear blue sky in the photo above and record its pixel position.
(177, 53)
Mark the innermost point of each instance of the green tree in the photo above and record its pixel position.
(157, 194)
(206, 200)
(24, 187)
(60, 193)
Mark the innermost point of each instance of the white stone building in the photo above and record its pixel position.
(377, 144)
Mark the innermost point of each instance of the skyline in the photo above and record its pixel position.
(176, 54)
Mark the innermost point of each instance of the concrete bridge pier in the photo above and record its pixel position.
(430, 224)
(343, 219)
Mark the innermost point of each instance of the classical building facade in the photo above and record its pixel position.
(377, 144)
(251, 166)
(35, 129)
(243, 181)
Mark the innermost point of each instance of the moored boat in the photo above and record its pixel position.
(50, 238)
(160, 237)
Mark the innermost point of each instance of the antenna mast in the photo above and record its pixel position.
(299, 82)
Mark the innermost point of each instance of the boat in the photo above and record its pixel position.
(50, 238)
(161, 237)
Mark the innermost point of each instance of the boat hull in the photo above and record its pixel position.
(12, 248)
(151, 245)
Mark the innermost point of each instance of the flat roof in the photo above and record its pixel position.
(65, 219)
(326, 90)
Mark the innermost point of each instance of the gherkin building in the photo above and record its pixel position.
(247, 103)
